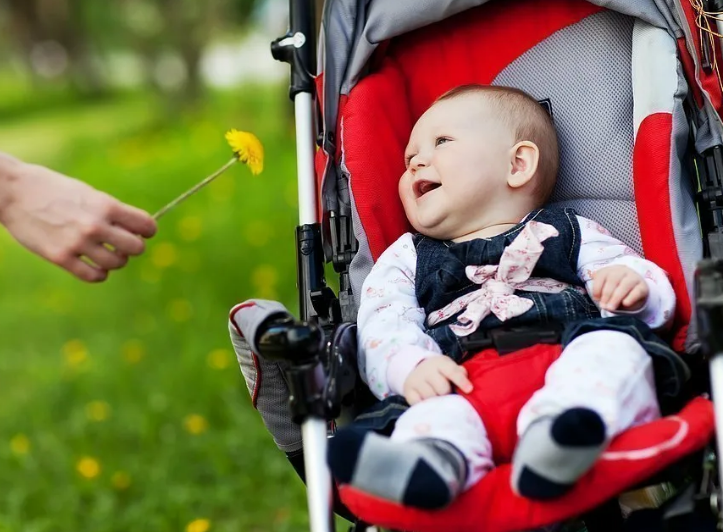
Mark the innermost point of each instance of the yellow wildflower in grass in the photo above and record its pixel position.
(264, 275)
(20, 444)
(191, 261)
(88, 467)
(180, 310)
(264, 278)
(291, 194)
(247, 148)
(120, 480)
(189, 228)
(150, 274)
(75, 353)
(97, 410)
(259, 233)
(223, 191)
(195, 424)
(144, 323)
(164, 254)
(198, 525)
(133, 351)
(219, 358)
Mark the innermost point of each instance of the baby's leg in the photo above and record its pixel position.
(601, 385)
(439, 447)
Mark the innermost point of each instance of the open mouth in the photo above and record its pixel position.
(421, 187)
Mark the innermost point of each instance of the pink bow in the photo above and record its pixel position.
(499, 282)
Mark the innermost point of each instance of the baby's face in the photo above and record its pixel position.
(457, 162)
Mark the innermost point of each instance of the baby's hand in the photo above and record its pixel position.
(619, 287)
(434, 377)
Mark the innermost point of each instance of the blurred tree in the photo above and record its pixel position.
(54, 37)
(75, 38)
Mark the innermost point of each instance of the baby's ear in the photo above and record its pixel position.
(524, 157)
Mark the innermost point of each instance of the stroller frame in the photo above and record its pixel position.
(319, 370)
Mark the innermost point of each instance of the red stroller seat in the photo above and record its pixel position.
(621, 156)
(634, 95)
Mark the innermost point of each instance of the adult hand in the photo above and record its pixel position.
(63, 219)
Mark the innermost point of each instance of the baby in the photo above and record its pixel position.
(480, 163)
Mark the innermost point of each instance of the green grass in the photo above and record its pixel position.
(112, 372)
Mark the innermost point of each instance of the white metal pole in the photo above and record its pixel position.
(716, 381)
(318, 477)
(303, 107)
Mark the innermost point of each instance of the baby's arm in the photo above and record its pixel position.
(600, 261)
(390, 323)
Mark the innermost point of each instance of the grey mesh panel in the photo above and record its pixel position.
(273, 394)
(593, 113)
(355, 27)
(361, 263)
(617, 219)
(686, 228)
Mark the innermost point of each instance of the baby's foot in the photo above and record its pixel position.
(554, 453)
(423, 473)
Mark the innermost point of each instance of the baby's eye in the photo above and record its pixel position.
(440, 140)
(408, 159)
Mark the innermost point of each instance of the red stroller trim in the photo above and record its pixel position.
(491, 506)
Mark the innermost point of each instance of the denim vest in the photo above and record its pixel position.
(440, 277)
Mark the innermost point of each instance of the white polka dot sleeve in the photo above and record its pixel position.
(598, 248)
(391, 323)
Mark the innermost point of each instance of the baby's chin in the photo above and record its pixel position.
(433, 230)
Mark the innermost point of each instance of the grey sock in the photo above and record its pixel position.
(426, 473)
(555, 452)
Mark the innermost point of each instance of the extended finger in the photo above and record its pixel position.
(611, 283)
(105, 258)
(425, 390)
(623, 289)
(135, 220)
(124, 242)
(636, 295)
(440, 384)
(458, 377)
(84, 271)
(412, 397)
(598, 281)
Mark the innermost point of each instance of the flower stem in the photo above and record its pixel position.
(195, 188)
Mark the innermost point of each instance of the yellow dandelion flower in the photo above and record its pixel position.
(133, 351)
(180, 310)
(120, 480)
(75, 353)
(219, 358)
(195, 424)
(189, 228)
(88, 467)
(164, 255)
(97, 410)
(198, 525)
(20, 444)
(247, 148)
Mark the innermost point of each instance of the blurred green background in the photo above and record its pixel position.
(121, 404)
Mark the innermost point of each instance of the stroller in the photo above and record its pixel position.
(635, 93)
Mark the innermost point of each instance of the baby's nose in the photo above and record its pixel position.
(416, 163)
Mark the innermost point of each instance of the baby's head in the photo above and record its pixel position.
(480, 156)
